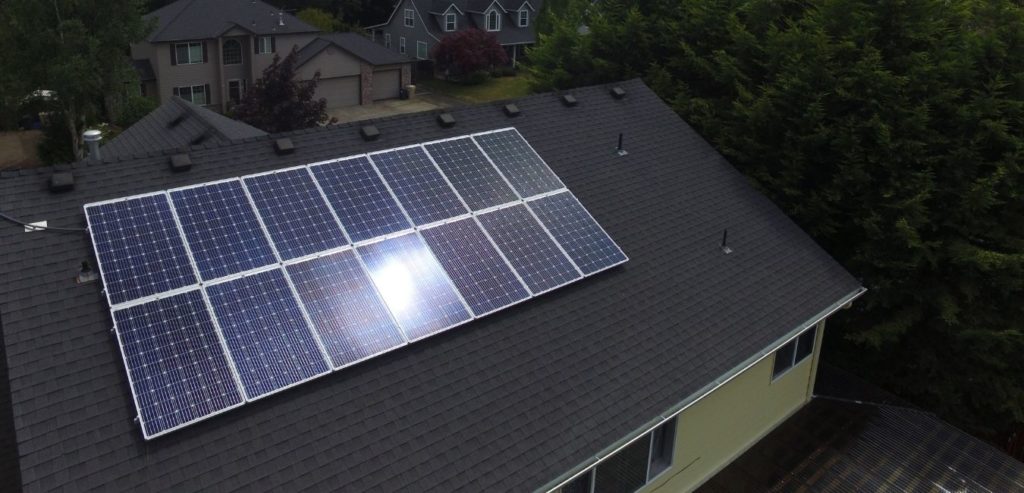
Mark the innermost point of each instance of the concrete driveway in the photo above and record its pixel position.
(421, 102)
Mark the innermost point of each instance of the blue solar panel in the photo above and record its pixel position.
(413, 285)
(420, 188)
(176, 365)
(578, 233)
(139, 248)
(266, 333)
(299, 221)
(359, 197)
(346, 310)
(483, 277)
(479, 184)
(527, 172)
(528, 247)
(222, 229)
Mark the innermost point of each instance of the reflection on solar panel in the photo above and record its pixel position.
(578, 233)
(282, 297)
(139, 248)
(221, 228)
(266, 334)
(176, 364)
(413, 285)
(483, 277)
(418, 185)
(351, 318)
(473, 177)
(527, 172)
(535, 256)
(297, 218)
(360, 198)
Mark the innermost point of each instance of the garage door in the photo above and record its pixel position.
(339, 91)
(386, 84)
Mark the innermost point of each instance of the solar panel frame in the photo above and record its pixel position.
(505, 173)
(410, 199)
(356, 235)
(531, 204)
(454, 173)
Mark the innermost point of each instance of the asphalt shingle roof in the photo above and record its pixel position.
(358, 45)
(158, 131)
(206, 19)
(510, 32)
(509, 402)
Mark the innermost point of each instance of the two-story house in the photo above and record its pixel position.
(208, 52)
(415, 26)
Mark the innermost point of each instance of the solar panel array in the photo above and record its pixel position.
(225, 292)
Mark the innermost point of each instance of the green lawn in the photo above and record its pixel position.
(491, 90)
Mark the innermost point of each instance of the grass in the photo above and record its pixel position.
(493, 89)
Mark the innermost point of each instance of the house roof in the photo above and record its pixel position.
(176, 124)
(359, 46)
(472, 16)
(206, 19)
(508, 402)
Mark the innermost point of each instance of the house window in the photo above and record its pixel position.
(266, 45)
(401, 44)
(410, 18)
(583, 483)
(663, 442)
(449, 22)
(630, 468)
(793, 352)
(193, 94)
(524, 18)
(421, 50)
(188, 53)
(493, 21)
(236, 90)
(232, 52)
(387, 40)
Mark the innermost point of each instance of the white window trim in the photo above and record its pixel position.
(192, 92)
(269, 47)
(522, 18)
(793, 363)
(387, 40)
(401, 45)
(425, 53)
(224, 50)
(241, 89)
(409, 18)
(454, 22)
(591, 472)
(487, 20)
(188, 49)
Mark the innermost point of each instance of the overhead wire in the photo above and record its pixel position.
(41, 228)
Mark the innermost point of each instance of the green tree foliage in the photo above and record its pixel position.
(321, 19)
(278, 102)
(76, 48)
(891, 130)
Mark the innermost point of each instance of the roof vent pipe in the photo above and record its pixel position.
(725, 245)
(620, 150)
(92, 138)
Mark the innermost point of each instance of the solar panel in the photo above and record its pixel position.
(359, 197)
(221, 228)
(413, 285)
(479, 184)
(139, 248)
(266, 333)
(346, 310)
(176, 364)
(575, 229)
(486, 281)
(534, 255)
(420, 188)
(527, 172)
(296, 216)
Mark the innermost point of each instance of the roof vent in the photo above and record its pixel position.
(369, 132)
(181, 162)
(92, 138)
(284, 146)
(511, 110)
(199, 139)
(725, 246)
(62, 181)
(618, 92)
(569, 100)
(177, 120)
(621, 150)
(446, 120)
(86, 274)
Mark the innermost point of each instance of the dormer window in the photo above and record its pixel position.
(524, 18)
(449, 22)
(493, 21)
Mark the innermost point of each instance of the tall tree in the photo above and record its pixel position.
(468, 51)
(76, 48)
(278, 102)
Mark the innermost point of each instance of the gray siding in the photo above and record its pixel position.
(332, 62)
(397, 29)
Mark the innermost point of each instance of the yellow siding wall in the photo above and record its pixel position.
(722, 425)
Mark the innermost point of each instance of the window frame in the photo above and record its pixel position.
(667, 429)
(401, 45)
(224, 52)
(241, 90)
(795, 344)
(426, 54)
(409, 18)
(269, 45)
(669, 426)
(450, 19)
(188, 51)
(192, 93)
(497, 20)
(387, 40)
(524, 21)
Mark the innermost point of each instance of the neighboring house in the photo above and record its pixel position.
(651, 376)
(415, 26)
(353, 69)
(209, 52)
(176, 124)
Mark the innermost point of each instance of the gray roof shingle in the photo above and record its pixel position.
(207, 19)
(358, 45)
(157, 130)
(509, 402)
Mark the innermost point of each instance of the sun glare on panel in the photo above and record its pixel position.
(396, 284)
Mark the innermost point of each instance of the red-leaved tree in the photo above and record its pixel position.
(465, 52)
(279, 103)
